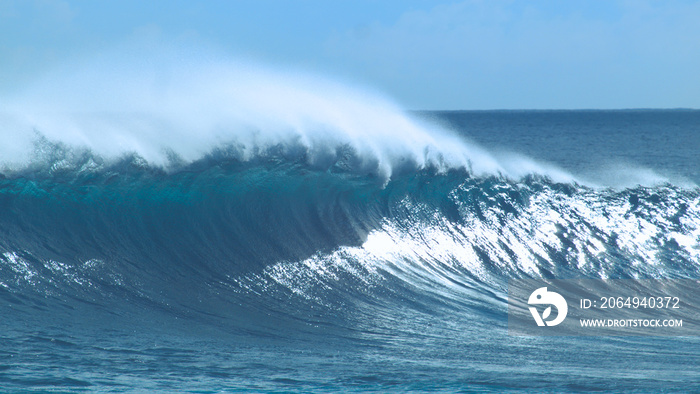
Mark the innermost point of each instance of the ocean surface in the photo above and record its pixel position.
(339, 260)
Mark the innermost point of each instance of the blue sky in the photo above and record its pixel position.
(471, 54)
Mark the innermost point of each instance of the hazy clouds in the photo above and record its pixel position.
(428, 55)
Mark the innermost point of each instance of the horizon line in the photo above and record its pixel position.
(640, 109)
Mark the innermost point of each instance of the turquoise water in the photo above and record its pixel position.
(274, 274)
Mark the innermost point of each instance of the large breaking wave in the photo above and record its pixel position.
(216, 190)
(274, 235)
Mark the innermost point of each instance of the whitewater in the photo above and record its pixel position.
(184, 221)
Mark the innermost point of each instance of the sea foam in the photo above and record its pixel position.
(158, 103)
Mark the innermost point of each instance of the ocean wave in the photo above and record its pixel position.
(253, 234)
(224, 190)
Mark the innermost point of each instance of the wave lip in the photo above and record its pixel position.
(169, 104)
(177, 106)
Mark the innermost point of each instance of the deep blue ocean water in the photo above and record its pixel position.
(599, 145)
(283, 273)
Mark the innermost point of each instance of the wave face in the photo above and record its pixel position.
(100, 260)
(106, 263)
(222, 230)
(229, 229)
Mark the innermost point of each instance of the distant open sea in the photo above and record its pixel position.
(304, 267)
